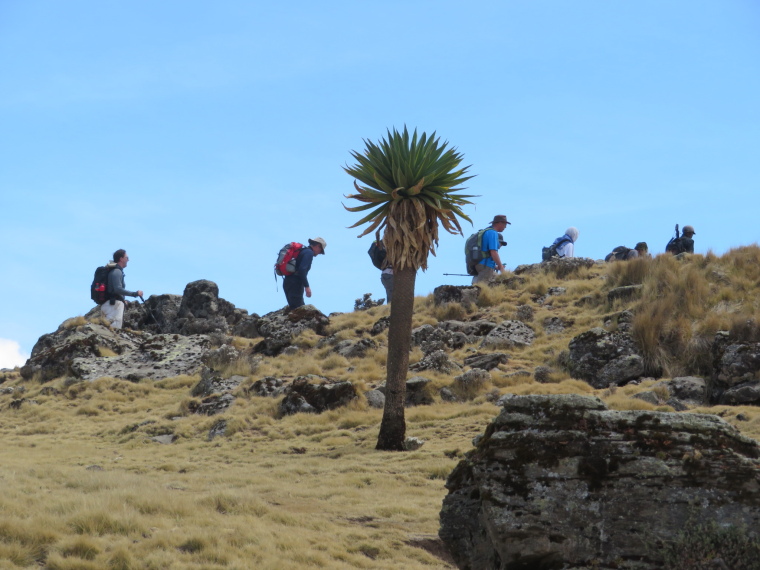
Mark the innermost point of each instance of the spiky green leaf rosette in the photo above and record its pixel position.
(408, 186)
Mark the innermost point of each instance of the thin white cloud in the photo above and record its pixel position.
(10, 354)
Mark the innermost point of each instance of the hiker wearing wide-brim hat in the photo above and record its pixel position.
(491, 240)
(296, 284)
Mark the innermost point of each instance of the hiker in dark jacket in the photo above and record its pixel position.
(113, 310)
(687, 241)
(295, 285)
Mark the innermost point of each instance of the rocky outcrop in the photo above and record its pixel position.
(430, 338)
(462, 294)
(603, 358)
(509, 334)
(690, 391)
(280, 327)
(736, 371)
(91, 351)
(202, 311)
(355, 348)
(436, 360)
(157, 357)
(561, 267)
(486, 361)
(471, 383)
(303, 396)
(563, 482)
(54, 353)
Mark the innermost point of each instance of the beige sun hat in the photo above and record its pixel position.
(320, 241)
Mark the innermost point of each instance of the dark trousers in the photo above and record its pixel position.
(293, 287)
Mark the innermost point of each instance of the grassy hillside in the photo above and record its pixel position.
(85, 487)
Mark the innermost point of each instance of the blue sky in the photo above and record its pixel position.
(203, 136)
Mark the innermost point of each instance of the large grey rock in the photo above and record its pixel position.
(603, 358)
(305, 396)
(375, 399)
(690, 390)
(509, 334)
(486, 361)
(747, 394)
(463, 294)
(157, 315)
(735, 363)
(436, 360)
(355, 348)
(431, 338)
(279, 327)
(268, 386)
(53, 354)
(471, 383)
(559, 481)
(417, 392)
(621, 370)
(471, 329)
(202, 311)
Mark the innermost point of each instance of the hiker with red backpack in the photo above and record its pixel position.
(294, 263)
(113, 306)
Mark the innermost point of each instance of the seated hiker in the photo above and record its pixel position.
(113, 310)
(492, 240)
(564, 246)
(643, 250)
(622, 253)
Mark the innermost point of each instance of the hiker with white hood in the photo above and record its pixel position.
(565, 245)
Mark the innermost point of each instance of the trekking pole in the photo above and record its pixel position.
(677, 236)
(459, 274)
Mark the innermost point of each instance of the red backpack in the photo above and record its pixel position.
(286, 259)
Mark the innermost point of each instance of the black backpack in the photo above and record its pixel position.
(377, 254)
(675, 245)
(620, 253)
(99, 288)
(548, 252)
(473, 251)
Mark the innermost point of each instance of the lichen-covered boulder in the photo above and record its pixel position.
(603, 358)
(304, 396)
(509, 334)
(53, 354)
(463, 294)
(560, 481)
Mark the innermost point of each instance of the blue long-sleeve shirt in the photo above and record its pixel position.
(303, 264)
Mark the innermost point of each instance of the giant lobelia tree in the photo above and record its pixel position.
(407, 185)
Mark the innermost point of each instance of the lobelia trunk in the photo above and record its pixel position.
(393, 425)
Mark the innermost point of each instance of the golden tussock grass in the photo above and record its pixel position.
(85, 486)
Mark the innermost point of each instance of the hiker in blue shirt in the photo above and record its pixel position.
(492, 241)
(295, 285)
